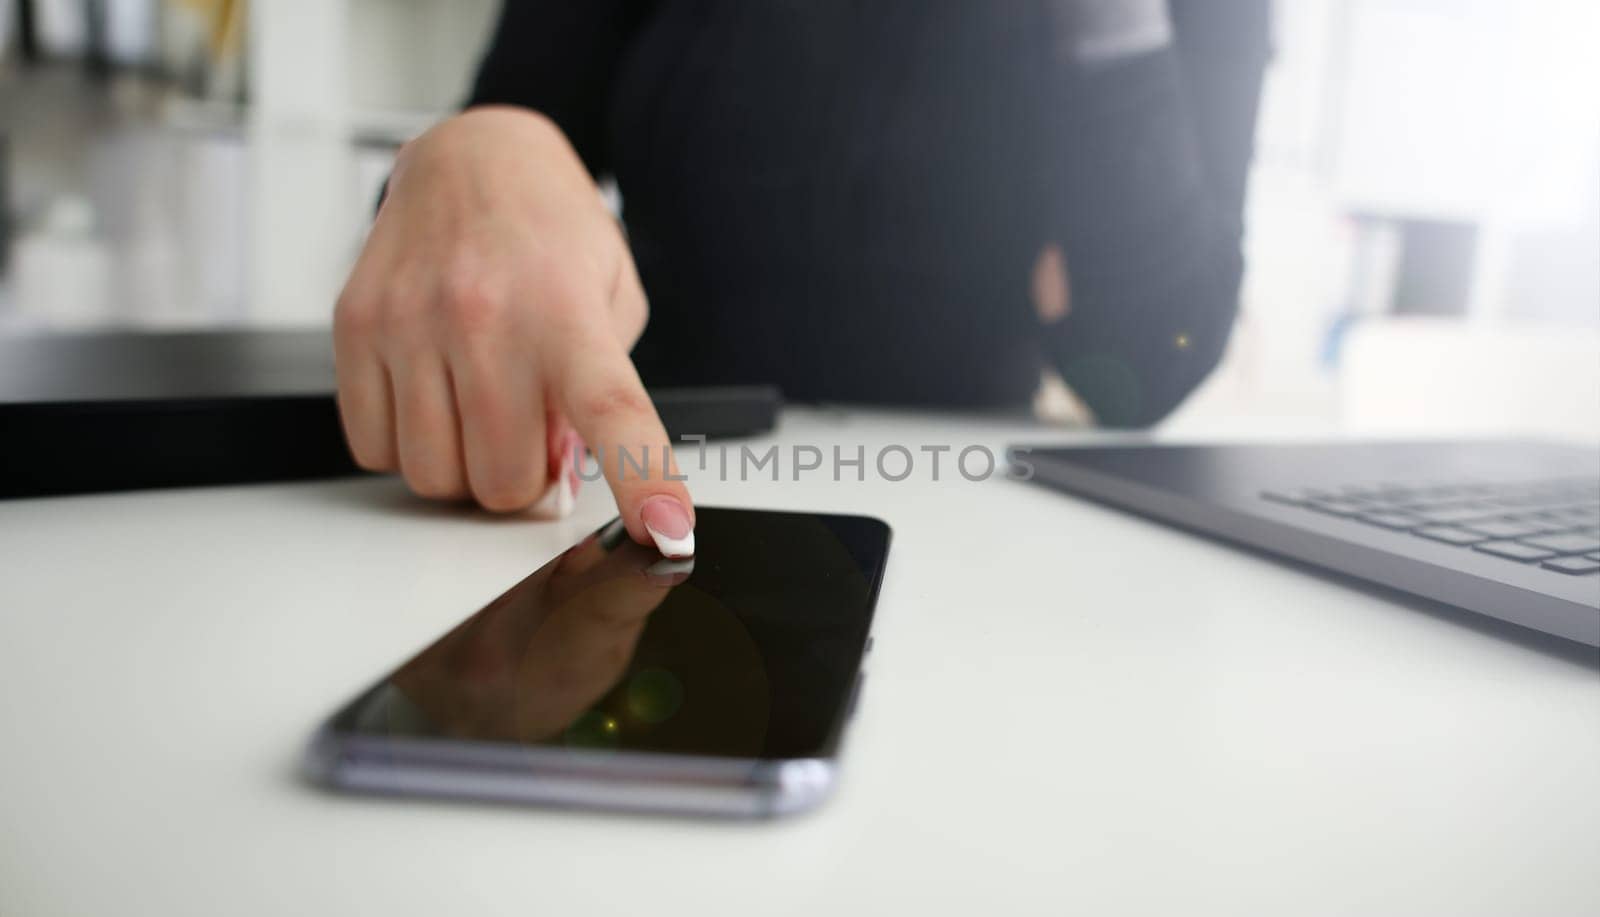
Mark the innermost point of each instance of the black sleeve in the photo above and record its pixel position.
(558, 57)
(1149, 212)
(1222, 48)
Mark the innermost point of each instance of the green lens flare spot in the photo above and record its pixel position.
(654, 695)
(593, 730)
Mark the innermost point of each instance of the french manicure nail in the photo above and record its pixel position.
(559, 498)
(555, 503)
(568, 495)
(574, 455)
(668, 524)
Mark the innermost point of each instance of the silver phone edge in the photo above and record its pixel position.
(658, 784)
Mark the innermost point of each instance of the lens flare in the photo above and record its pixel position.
(593, 730)
(654, 695)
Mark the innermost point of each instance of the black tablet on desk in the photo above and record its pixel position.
(132, 410)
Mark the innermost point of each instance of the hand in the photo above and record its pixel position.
(483, 336)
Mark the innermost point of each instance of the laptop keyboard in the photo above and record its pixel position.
(1554, 523)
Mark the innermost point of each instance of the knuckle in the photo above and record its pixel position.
(635, 310)
(356, 315)
(565, 290)
(432, 484)
(485, 409)
(505, 488)
(370, 458)
(473, 306)
(561, 312)
(499, 498)
(404, 313)
(615, 401)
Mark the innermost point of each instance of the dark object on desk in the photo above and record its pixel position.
(1507, 529)
(5, 200)
(27, 22)
(126, 411)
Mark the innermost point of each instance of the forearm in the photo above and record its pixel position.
(558, 57)
(1151, 242)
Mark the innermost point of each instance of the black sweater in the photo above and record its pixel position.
(846, 198)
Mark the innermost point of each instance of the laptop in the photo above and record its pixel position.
(1506, 529)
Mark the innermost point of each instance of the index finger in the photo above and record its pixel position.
(602, 396)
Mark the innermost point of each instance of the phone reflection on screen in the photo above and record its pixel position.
(558, 660)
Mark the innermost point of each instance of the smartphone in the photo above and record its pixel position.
(615, 678)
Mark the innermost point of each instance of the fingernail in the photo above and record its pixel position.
(555, 503)
(568, 496)
(668, 524)
(560, 497)
(573, 447)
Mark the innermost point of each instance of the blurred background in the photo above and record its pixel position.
(1422, 231)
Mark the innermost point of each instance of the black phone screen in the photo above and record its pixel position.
(749, 650)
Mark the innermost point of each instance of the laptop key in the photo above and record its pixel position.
(1562, 505)
(1297, 496)
(1534, 499)
(1570, 543)
(1450, 514)
(1506, 528)
(1574, 566)
(1513, 550)
(1449, 534)
(1338, 507)
(1392, 520)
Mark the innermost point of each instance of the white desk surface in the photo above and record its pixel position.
(1068, 710)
